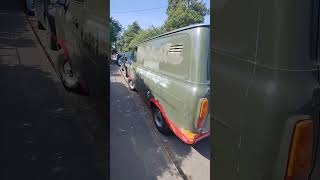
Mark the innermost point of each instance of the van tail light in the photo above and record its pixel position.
(204, 104)
(300, 157)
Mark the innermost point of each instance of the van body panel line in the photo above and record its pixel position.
(175, 129)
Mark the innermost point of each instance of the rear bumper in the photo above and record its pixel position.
(202, 136)
(185, 135)
(191, 138)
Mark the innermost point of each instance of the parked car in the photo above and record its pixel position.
(266, 90)
(29, 7)
(171, 71)
(44, 13)
(82, 37)
(120, 59)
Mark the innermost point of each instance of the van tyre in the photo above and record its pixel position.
(68, 78)
(160, 122)
(132, 86)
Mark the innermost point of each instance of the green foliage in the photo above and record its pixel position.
(182, 13)
(115, 29)
(128, 35)
(146, 34)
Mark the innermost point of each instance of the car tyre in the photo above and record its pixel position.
(159, 121)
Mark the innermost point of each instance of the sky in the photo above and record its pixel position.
(154, 12)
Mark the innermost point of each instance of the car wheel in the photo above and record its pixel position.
(49, 38)
(132, 86)
(67, 76)
(160, 122)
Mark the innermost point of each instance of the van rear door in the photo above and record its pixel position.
(206, 125)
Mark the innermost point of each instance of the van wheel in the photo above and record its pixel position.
(160, 122)
(131, 85)
(68, 78)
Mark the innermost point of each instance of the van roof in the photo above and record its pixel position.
(175, 31)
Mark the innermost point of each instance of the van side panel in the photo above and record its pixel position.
(163, 67)
(263, 80)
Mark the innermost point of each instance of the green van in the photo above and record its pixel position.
(266, 90)
(171, 72)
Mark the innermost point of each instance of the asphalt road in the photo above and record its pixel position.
(139, 151)
(45, 131)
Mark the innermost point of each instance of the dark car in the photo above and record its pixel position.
(119, 60)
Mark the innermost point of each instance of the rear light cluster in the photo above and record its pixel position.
(203, 112)
(189, 134)
(300, 157)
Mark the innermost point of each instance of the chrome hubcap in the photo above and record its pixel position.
(131, 84)
(67, 69)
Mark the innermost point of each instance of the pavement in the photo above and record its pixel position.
(46, 132)
(138, 150)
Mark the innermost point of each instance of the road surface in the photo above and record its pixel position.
(45, 131)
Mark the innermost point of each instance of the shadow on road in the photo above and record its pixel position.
(14, 30)
(38, 134)
(133, 146)
(203, 147)
(41, 130)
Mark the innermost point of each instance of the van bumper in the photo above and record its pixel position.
(191, 138)
(185, 135)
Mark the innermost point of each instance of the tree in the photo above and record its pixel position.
(146, 34)
(182, 13)
(128, 35)
(115, 29)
